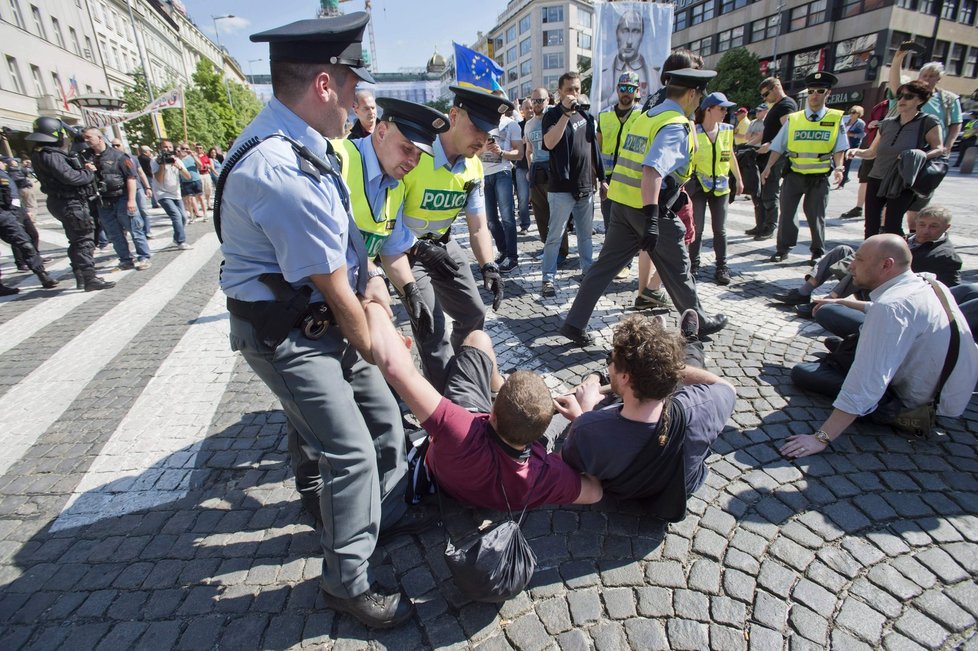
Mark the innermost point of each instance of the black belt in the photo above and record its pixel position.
(313, 322)
(440, 239)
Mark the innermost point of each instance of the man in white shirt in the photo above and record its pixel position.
(902, 346)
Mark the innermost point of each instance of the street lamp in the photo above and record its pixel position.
(251, 69)
(217, 35)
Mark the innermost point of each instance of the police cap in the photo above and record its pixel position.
(336, 40)
(691, 78)
(484, 108)
(821, 79)
(417, 122)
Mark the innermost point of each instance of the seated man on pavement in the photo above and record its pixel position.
(902, 347)
(651, 445)
(482, 453)
(932, 252)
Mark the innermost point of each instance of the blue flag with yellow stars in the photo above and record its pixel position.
(476, 70)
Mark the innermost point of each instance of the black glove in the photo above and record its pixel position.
(493, 282)
(422, 321)
(651, 235)
(435, 259)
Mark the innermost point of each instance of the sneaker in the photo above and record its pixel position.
(650, 298)
(126, 266)
(183, 246)
(142, 265)
(753, 231)
(852, 213)
(576, 335)
(373, 608)
(779, 257)
(524, 229)
(624, 274)
(548, 290)
(722, 275)
(148, 236)
(689, 325)
(508, 265)
(499, 259)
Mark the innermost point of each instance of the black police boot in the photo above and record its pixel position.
(79, 278)
(8, 291)
(374, 608)
(93, 283)
(47, 282)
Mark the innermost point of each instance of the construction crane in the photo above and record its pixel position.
(332, 8)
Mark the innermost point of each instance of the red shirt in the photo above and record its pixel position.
(463, 458)
(205, 164)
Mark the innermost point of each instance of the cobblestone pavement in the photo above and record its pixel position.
(146, 501)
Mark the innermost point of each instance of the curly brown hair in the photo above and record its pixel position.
(523, 408)
(653, 357)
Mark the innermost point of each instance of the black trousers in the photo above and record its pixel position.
(31, 231)
(12, 232)
(79, 228)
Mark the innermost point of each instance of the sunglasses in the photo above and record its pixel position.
(907, 96)
(818, 91)
(765, 93)
(627, 89)
(536, 100)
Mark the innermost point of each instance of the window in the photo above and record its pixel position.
(851, 8)
(526, 68)
(907, 4)
(584, 17)
(15, 75)
(38, 81)
(88, 89)
(730, 38)
(56, 82)
(804, 63)
(553, 37)
(553, 14)
(704, 46)
(680, 21)
(525, 24)
(940, 52)
(765, 28)
(526, 88)
(726, 6)
(18, 17)
(38, 22)
(853, 53)
(89, 50)
(966, 12)
(511, 34)
(511, 75)
(511, 55)
(73, 36)
(926, 7)
(553, 61)
(550, 82)
(955, 64)
(583, 41)
(525, 46)
(971, 63)
(701, 12)
(950, 10)
(807, 15)
(58, 36)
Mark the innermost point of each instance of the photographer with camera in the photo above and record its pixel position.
(65, 180)
(115, 174)
(168, 170)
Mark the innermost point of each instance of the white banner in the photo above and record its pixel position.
(628, 36)
(101, 119)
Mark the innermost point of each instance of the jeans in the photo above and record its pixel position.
(174, 209)
(562, 206)
(499, 212)
(839, 319)
(523, 196)
(117, 221)
(966, 296)
(142, 211)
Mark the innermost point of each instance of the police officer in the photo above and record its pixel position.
(814, 143)
(67, 181)
(296, 275)
(117, 209)
(613, 126)
(12, 232)
(435, 191)
(653, 164)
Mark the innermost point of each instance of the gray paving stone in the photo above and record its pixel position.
(687, 635)
(709, 544)
(691, 605)
(654, 602)
(724, 638)
(738, 560)
(809, 624)
(615, 574)
(843, 640)
(585, 606)
(896, 642)
(573, 641)
(921, 629)
(941, 608)
(619, 603)
(739, 585)
(704, 576)
(528, 633)
(942, 564)
(646, 634)
(888, 578)
(665, 573)
(764, 638)
(864, 622)
(609, 636)
(770, 611)
(881, 600)
(776, 577)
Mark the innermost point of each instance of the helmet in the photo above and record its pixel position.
(48, 130)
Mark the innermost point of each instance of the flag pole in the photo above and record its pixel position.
(183, 105)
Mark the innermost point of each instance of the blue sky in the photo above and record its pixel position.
(406, 31)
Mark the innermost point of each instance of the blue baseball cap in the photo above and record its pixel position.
(715, 99)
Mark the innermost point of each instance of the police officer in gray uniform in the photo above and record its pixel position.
(296, 276)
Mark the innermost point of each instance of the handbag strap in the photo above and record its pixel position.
(953, 345)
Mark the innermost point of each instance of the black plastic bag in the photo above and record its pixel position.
(494, 567)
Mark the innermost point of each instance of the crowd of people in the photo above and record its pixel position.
(374, 208)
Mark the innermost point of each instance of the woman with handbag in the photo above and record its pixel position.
(909, 129)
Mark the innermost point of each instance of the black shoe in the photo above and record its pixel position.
(79, 278)
(765, 234)
(500, 258)
(713, 324)
(778, 257)
(805, 310)
(548, 290)
(95, 284)
(694, 269)
(508, 266)
(722, 275)
(23, 267)
(524, 229)
(8, 291)
(373, 608)
(126, 266)
(814, 259)
(415, 520)
(753, 231)
(794, 297)
(580, 337)
(689, 325)
(852, 214)
(832, 343)
(47, 282)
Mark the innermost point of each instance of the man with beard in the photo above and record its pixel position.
(613, 126)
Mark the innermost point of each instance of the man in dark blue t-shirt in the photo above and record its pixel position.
(780, 107)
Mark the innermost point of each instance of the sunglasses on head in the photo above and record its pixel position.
(627, 88)
(818, 91)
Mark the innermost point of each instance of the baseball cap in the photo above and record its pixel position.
(629, 78)
(742, 109)
(715, 99)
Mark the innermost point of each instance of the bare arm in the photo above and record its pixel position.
(651, 185)
(867, 154)
(398, 270)
(591, 491)
(479, 238)
(893, 81)
(803, 445)
(556, 132)
(952, 133)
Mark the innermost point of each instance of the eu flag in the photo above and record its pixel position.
(476, 70)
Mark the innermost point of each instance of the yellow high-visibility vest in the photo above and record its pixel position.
(613, 132)
(374, 228)
(626, 180)
(711, 162)
(809, 144)
(433, 198)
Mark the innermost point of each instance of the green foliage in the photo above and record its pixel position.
(738, 76)
(441, 104)
(584, 66)
(210, 118)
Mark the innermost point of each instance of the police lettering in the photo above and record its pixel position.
(823, 136)
(635, 143)
(442, 200)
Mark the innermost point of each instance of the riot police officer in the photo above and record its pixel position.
(12, 232)
(67, 181)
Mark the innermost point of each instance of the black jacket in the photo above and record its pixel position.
(60, 176)
(938, 258)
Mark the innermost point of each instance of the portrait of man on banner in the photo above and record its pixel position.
(630, 37)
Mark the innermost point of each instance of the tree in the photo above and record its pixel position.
(584, 67)
(738, 76)
(441, 104)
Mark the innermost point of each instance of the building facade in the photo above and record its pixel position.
(421, 86)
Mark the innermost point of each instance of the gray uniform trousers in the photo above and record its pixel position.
(348, 424)
(458, 298)
(815, 189)
(769, 196)
(621, 243)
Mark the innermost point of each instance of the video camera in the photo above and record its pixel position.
(166, 158)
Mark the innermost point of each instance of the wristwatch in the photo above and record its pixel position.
(373, 273)
(822, 437)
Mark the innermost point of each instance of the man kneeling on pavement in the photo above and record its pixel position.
(903, 344)
(653, 442)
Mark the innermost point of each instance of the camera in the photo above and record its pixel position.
(491, 140)
(166, 158)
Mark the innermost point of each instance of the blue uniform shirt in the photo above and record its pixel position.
(476, 204)
(378, 183)
(781, 140)
(669, 150)
(276, 218)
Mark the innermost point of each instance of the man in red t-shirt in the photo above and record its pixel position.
(482, 453)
